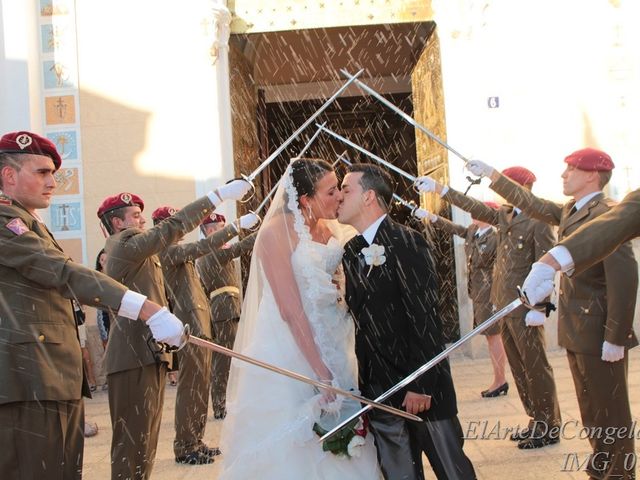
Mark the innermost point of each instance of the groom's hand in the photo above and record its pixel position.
(415, 403)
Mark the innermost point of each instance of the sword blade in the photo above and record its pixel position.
(311, 140)
(432, 363)
(369, 154)
(295, 134)
(408, 118)
(296, 376)
(273, 190)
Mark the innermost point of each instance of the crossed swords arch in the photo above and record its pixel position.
(369, 404)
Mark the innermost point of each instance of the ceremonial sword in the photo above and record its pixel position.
(408, 118)
(249, 178)
(266, 199)
(412, 121)
(432, 363)
(201, 342)
(367, 153)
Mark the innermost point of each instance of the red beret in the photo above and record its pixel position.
(161, 213)
(119, 201)
(491, 204)
(213, 218)
(520, 175)
(27, 142)
(591, 160)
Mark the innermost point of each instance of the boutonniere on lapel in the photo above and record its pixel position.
(373, 256)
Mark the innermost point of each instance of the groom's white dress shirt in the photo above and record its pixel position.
(370, 233)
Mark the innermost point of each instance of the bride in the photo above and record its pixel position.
(294, 317)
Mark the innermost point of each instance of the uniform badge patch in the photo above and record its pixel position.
(17, 226)
(24, 141)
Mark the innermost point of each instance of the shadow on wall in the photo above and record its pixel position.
(15, 113)
(114, 136)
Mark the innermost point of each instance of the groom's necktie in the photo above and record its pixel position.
(359, 243)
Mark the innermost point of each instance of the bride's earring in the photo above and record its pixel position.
(309, 210)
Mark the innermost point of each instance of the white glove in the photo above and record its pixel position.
(234, 190)
(534, 318)
(480, 169)
(539, 283)
(249, 220)
(611, 352)
(421, 214)
(426, 184)
(166, 327)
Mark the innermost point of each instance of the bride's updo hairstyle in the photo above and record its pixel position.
(306, 172)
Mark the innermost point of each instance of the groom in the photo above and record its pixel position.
(392, 297)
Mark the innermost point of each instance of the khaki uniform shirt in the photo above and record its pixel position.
(132, 260)
(522, 240)
(599, 303)
(185, 291)
(602, 236)
(217, 270)
(40, 355)
(481, 255)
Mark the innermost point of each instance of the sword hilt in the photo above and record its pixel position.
(545, 307)
(186, 333)
(258, 223)
(249, 180)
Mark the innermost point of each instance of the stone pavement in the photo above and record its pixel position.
(494, 457)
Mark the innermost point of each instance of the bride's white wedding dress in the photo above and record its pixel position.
(267, 433)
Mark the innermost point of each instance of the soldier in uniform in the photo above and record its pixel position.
(596, 307)
(220, 280)
(588, 245)
(41, 408)
(188, 300)
(136, 366)
(480, 242)
(521, 241)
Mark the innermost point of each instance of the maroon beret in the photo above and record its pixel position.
(591, 160)
(520, 175)
(119, 201)
(161, 213)
(213, 218)
(491, 204)
(27, 142)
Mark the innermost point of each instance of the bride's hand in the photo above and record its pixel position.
(327, 395)
(326, 377)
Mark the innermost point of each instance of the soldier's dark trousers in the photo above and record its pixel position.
(41, 440)
(136, 398)
(225, 335)
(603, 397)
(525, 349)
(192, 399)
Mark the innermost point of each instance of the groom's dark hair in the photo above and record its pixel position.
(376, 179)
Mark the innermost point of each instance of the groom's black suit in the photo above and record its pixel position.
(397, 331)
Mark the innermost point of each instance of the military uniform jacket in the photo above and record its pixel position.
(217, 270)
(40, 355)
(599, 303)
(602, 236)
(481, 255)
(522, 240)
(183, 286)
(132, 260)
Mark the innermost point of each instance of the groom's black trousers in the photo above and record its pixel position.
(400, 444)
